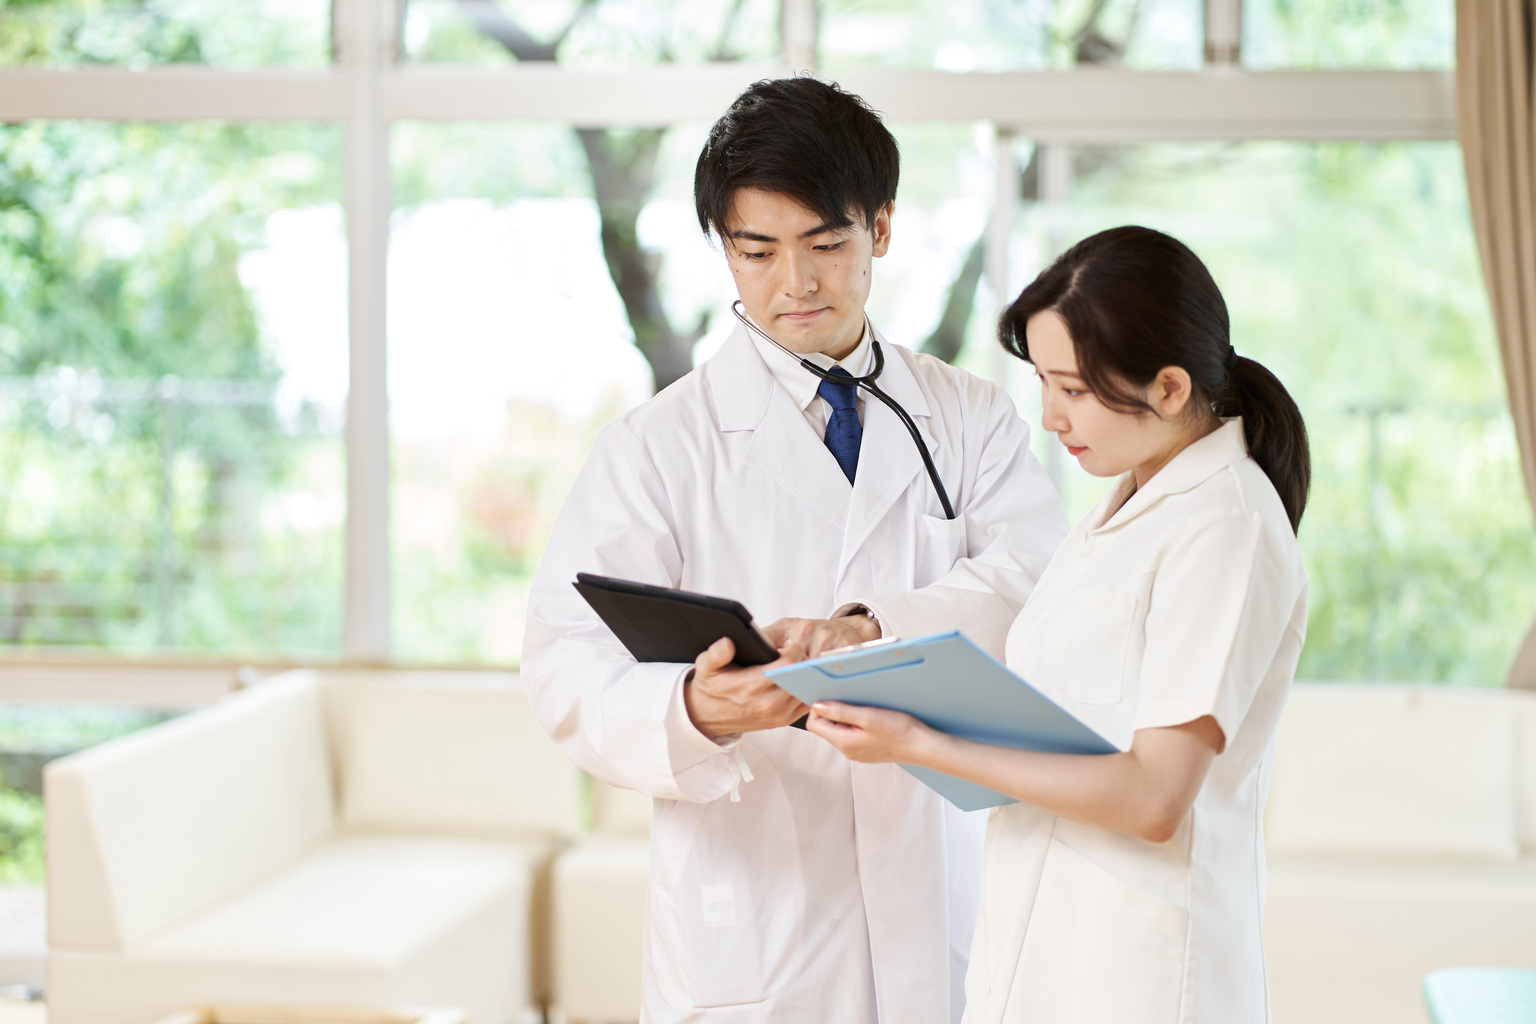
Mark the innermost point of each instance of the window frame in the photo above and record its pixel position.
(367, 89)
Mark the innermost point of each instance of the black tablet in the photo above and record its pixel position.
(661, 624)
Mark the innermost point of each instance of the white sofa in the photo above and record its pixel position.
(1401, 829)
(599, 912)
(383, 838)
(369, 839)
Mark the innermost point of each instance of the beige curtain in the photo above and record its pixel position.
(1497, 115)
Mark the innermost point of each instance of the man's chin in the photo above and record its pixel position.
(812, 342)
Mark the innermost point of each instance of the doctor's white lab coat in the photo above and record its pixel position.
(788, 884)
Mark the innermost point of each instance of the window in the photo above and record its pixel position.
(1349, 33)
(1350, 271)
(307, 371)
(141, 33)
(172, 375)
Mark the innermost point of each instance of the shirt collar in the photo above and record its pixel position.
(1190, 468)
(800, 382)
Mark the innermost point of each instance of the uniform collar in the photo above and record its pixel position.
(800, 382)
(1222, 447)
(740, 382)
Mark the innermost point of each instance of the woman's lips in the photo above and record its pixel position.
(1075, 452)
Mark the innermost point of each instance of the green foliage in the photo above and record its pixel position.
(122, 243)
(608, 34)
(143, 32)
(1350, 270)
(432, 161)
(22, 845)
(1349, 33)
(121, 251)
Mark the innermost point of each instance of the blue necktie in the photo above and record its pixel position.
(843, 430)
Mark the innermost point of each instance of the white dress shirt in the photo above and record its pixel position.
(802, 383)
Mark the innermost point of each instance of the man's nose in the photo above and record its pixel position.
(799, 276)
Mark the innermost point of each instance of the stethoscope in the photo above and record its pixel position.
(867, 382)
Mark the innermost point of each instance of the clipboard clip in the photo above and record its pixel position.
(861, 646)
(858, 661)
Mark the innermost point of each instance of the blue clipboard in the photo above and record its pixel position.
(954, 686)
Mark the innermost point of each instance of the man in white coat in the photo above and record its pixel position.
(787, 883)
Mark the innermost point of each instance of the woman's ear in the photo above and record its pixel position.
(1170, 392)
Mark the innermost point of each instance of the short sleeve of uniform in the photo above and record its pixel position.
(1218, 609)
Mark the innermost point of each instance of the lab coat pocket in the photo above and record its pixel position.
(940, 544)
(727, 954)
(1098, 949)
(1084, 642)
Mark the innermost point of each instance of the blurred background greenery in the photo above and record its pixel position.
(173, 324)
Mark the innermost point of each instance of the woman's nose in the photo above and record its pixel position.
(1051, 417)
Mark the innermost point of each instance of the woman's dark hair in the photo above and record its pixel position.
(801, 138)
(1135, 301)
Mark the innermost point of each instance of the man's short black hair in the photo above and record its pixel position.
(804, 139)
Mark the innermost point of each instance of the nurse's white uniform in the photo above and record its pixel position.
(1188, 601)
(786, 883)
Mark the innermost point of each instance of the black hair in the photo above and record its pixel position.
(804, 139)
(1135, 301)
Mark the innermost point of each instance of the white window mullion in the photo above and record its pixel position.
(363, 43)
(1223, 33)
(1055, 165)
(1005, 206)
(797, 34)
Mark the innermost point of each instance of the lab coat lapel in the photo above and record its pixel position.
(888, 460)
(784, 448)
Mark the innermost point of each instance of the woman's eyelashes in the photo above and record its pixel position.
(1070, 392)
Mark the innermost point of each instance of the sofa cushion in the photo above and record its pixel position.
(1524, 704)
(150, 828)
(600, 889)
(449, 752)
(362, 920)
(1346, 943)
(1393, 773)
(620, 813)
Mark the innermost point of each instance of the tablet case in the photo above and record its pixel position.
(661, 624)
(954, 686)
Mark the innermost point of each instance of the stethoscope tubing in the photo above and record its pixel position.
(867, 382)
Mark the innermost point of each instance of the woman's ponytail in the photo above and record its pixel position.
(1274, 429)
(1135, 301)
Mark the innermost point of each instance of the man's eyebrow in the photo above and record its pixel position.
(748, 235)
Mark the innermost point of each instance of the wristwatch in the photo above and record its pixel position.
(864, 610)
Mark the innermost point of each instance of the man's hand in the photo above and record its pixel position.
(722, 700)
(817, 636)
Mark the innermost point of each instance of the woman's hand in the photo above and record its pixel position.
(870, 735)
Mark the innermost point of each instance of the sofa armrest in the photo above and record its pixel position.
(151, 827)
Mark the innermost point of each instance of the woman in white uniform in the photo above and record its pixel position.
(1129, 887)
